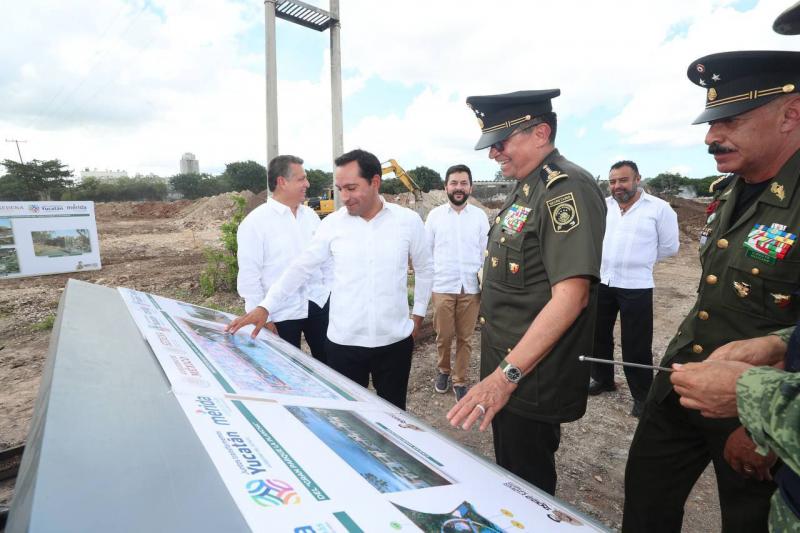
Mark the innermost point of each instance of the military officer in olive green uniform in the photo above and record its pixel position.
(539, 291)
(748, 288)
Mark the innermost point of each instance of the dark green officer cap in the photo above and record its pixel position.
(736, 82)
(788, 22)
(499, 114)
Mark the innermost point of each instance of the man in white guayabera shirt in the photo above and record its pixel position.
(457, 233)
(640, 230)
(269, 239)
(370, 241)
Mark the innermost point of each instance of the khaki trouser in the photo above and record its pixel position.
(454, 315)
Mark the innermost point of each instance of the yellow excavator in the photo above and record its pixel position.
(324, 205)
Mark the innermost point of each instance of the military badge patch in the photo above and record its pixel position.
(563, 213)
(513, 267)
(769, 244)
(495, 262)
(515, 218)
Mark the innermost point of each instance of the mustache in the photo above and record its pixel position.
(717, 148)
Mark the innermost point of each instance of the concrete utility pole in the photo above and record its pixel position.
(317, 19)
(272, 80)
(17, 141)
(337, 134)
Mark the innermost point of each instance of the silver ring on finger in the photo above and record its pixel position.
(482, 408)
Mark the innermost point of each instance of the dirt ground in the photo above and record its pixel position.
(158, 247)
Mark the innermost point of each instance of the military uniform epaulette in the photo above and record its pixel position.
(551, 174)
(720, 183)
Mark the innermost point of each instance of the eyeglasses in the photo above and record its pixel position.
(501, 145)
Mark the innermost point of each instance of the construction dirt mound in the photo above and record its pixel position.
(430, 199)
(691, 216)
(211, 211)
(116, 210)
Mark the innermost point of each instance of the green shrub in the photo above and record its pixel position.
(221, 265)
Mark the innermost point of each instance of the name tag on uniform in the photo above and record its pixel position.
(515, 218)
(769, 244)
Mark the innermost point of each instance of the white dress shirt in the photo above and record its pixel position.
(456, 240)
(633, 242)
(369, 295)
(269, 239)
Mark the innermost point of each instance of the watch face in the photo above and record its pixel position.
(512, 373)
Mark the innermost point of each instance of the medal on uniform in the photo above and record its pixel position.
(781, 300)
(526, 189)
(769, 244)
(495, 262)
(513, 267)
(742, 289)
(515, 218)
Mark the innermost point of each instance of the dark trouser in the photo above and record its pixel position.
(389, 365)
(315, 329)
(670, 449)
(635, 308)
(527, 448)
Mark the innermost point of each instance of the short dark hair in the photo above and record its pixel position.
(548, 118)
(551, 120)
(279, 166)
(458, 168)
(368, 165)
(625, 163)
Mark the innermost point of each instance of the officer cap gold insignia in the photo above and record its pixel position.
(500, 114)
(737, 82)
(788, 22)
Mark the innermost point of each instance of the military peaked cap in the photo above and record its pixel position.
(788, 22)
(499, 114)
(737, 82)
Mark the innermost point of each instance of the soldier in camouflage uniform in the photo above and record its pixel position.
(767, 402)
(751, 272)
(539, 288)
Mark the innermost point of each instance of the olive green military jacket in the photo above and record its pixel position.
(751, 270)
(549, 229)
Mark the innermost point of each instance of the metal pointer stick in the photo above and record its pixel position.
(620, 363)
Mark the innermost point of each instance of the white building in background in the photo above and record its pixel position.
(189, 164)
(103, 174)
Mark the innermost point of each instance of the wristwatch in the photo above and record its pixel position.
(511, 372)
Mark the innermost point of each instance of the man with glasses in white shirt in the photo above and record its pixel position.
(457, 235)
(640, 230)
(369, 241)
(268, 239)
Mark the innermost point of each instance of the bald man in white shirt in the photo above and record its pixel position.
(370, 241)
(640, 230)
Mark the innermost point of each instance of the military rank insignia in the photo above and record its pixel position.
(551, 174)
(515, 218)
(769, 244)
(563, 213)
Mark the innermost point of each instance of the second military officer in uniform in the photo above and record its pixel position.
(539, 288)
(748, 288)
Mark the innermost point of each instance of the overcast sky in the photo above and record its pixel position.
(134, 84)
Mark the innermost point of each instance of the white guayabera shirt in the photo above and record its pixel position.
(456, 241)
(633, 242)
(269, 239)
(369, 298)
